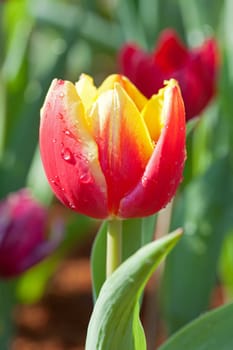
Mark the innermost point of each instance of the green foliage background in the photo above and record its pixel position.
(40, 40)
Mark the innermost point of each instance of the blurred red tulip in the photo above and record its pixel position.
(194, 69)
(110, 151)
(22, 234)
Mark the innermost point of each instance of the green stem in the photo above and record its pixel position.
(114, 245)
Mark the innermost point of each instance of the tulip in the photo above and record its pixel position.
(22, 234)
(109, 151)
(194, 69)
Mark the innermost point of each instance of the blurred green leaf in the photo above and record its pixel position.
(7, 304)
(130, 22)
(98, 260)
(204, 209)
(148, 228)
(37, 181)
(20, 149)
(2, 115)
(226, 265)
(90, 26)
(115, 322)
(212, 331)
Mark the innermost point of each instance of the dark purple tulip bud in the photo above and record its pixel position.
(23, 240)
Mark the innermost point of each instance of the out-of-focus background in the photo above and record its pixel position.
(41, 40)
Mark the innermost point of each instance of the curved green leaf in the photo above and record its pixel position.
(115, 320)
(212, 331)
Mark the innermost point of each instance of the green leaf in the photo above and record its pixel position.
(204, 210)
(210, 331)
(7, 305)
(226, 265)
(98, 260)
(88, 24)
(37, 181)
(115, 320)
(136, 233)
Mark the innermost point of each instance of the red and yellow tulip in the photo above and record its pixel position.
(110, 151)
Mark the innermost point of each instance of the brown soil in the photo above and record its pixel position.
(59, 321)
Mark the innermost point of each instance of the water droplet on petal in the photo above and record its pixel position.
(144, 180)
(60, 116)
(85, 177)
(71, 205)
(54, 140)
(61, 94)
(67, 156)
(53, 181)
(67, 132)
(91, 156)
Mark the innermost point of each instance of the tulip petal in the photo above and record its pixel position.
(69, 152)
(170, 54)
(124, 142)
(164, 170)
(152, 115)
(198, 78)
(109, 83)
(139, 67)
(86, 90)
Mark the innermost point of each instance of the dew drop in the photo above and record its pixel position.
(67, 132)
(71, 205)
(60, 116)
(61, 94)
(85, 178)
(81, 158)
(53, 182)
(54, 140)
(91, 156)
(144, 180)
(67, 156)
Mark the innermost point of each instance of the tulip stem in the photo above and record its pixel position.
(114, 245)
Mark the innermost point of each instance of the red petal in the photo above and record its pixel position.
(170, 54)
(195, 69)
(139, 67)
(69, 153)
(164, 170)
(124, 142)
(197, 79)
